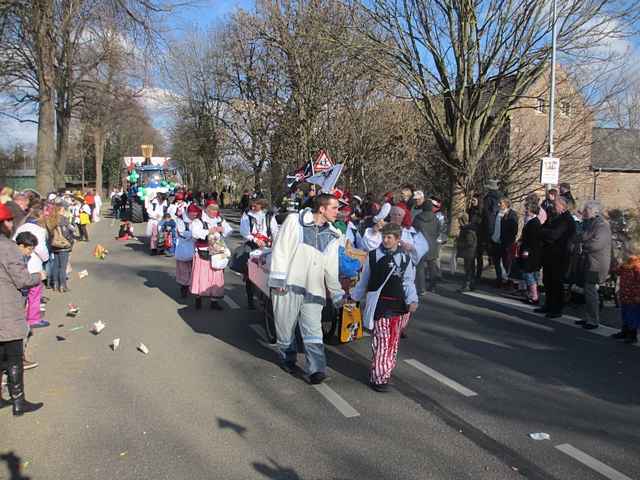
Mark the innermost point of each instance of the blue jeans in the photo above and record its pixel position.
(531, 278)
(59, 270)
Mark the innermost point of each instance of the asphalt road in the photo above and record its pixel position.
(475, 377)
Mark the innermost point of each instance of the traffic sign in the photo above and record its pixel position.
(549, 170)
(322, 163)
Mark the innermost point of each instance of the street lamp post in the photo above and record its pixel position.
(552, 94)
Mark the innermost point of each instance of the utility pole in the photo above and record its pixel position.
(552, 94)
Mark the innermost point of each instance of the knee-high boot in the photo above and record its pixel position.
(15, 374)
(249, 289)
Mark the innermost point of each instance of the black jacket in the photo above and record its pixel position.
(556, 234)
(490, 208)
(532, 244)
(508, 228)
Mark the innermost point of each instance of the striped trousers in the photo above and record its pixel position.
(384, 343)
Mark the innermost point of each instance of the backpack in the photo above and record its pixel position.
(59, 241)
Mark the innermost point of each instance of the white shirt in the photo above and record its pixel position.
(259, 225)
(40, 253)
(372, 240)
(200, 231)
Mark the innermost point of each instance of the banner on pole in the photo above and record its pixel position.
(549, 170)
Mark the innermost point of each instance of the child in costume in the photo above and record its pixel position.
(387, 284)
(167, 235)
(126, 230)
(629, 274)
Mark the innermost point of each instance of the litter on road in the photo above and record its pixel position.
(82, 274)
(143, 348)
(60, 338)
(97, 327)
(115, 344)
(540, 436)
(72, 310)
(73, 329)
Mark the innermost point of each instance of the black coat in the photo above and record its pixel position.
(532, 244)
(556, 234)
(509, 228)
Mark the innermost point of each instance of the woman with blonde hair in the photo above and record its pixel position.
(61, 241)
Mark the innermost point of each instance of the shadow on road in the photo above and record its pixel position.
(276, 471)
(14, 465)
(165, 282)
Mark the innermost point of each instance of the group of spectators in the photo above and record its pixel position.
(37, 236)
(559, 246)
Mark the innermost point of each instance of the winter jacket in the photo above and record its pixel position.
(556, 234)
(490, 208)
(596, 245)
(509, 228)
(305, 259)
(531, 246)
(428, 225)
(467, 242)
(13, 277)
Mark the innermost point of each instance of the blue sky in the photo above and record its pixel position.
(201, 14)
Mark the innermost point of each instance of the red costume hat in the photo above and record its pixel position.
(179, 196)
(193, 208)
(5, 213)
(211, 202)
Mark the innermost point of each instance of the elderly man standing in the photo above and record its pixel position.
(596, 247)
(555, 235)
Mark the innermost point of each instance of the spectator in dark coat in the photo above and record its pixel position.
(503, 239)
(531, 250)
(490, 207)
(565, 191)
(466, 247)
(426, 223)
(596, 248)
(474, 213)
(549, 203)
(555, 235)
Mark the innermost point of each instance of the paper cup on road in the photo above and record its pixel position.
(82, 274)
(115, 344)
(97, 327)
(72, 310)
(539, 436)
(143, 348)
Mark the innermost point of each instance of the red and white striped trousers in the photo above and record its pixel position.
(384, 343)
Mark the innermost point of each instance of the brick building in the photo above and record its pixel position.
(615, 166)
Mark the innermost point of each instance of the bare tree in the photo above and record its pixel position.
(467, 65)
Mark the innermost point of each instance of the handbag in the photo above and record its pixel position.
(59, 241)
(240, 259)
(203, 254)
(350, 323)
(84, 218)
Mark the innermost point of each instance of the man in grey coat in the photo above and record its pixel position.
(425, 222)
(596, 247)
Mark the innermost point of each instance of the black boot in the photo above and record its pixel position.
(15, 375)
(198, 303)
(214, 305)
(632, 336)
(184, 291)
(622, 334)
(248, 286)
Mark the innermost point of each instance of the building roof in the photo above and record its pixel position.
(615, 149)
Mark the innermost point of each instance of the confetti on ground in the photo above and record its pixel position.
(73, 329)
(82, 274)
(122, 454)
(540, 436)
(115, 344)
(143, 348)
(97, 327)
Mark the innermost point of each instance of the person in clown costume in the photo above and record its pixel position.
(155, 210)
(207, 281)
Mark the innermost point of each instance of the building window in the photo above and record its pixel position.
(566, 108)
(540, 105)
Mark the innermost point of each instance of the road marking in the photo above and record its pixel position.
(336, 400)
(263, 337)
(592, 463)
(441, 378)
(229, 301)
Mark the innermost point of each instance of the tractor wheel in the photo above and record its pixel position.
(137, 212)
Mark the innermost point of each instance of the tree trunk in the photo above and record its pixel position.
(457, 206)
(42, 14)
(98, 143)
(63, 120)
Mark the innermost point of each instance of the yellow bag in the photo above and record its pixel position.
(84, 218)
(350, 323)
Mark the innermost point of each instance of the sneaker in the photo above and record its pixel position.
(290, 368)
(215, 306)
(44, 300)
(580, 322)
(590, 326)
(619, 336)
(317, 378)
(380, 387)
(40, 324)
(28, 365)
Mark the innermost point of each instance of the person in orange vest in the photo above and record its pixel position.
(90, 200)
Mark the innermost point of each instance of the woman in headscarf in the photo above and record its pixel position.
(185, 248)
(207, 281)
